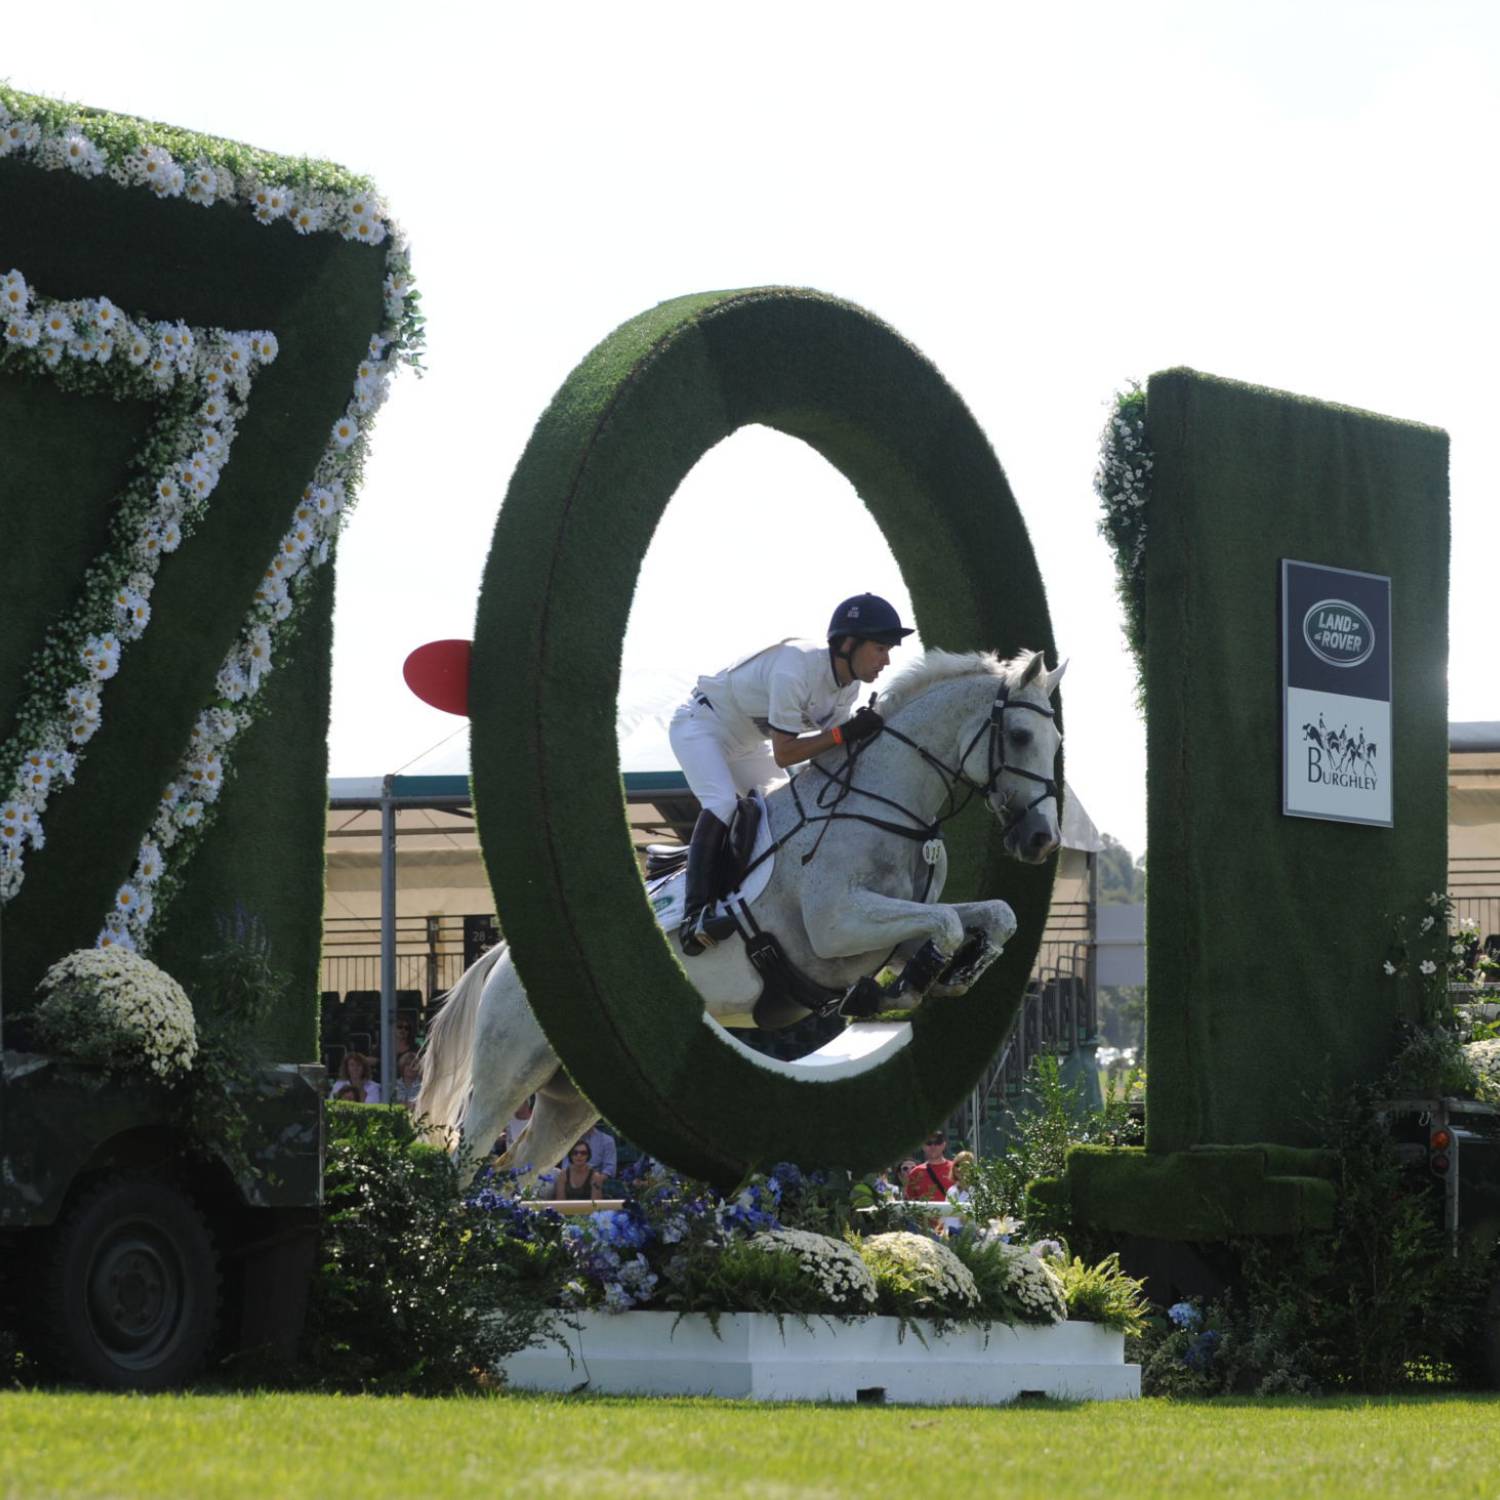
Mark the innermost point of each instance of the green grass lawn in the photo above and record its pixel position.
(330, 1446)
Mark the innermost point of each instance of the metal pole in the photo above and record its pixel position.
(387, 939)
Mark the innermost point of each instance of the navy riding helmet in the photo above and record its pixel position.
(868, 617)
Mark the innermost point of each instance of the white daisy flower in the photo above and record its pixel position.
(12, 827)
(105, 314)
(167, 492)
(148, 864)
(265, 346)
(26, 332)
(345, 430)
(203, 184)
(15, 295)
(51, 355)
(307, 217)
(101, 655)
(170, 537)
(190, 814)
(162, 370)
(231, 682)
(137, 347)
(127, 898)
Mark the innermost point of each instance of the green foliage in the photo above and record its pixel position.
(1123, 484)
(1102, 1293)
(1041, 1132)
(1380, 1300)
(782, 1273)
(1015, 1285)
(920, 1277)
(414, 1293)
(1122, 877)
(235, 988)
(1431, 1063)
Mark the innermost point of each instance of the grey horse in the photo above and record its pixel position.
(838, 917)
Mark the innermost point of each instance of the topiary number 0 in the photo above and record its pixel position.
(601, 466)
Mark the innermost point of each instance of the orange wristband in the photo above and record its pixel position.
(838, 735)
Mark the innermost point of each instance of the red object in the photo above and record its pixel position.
(438, 673)
(1440, 1140)
(929, 1181)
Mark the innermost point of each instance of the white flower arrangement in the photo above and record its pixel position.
(933, 1271)
(118, 1009)
(212, 367)
(836, 1269)
(1485, 1059)
(151, 517)
(1034, 1282)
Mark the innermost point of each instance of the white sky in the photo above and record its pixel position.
(1046, 200)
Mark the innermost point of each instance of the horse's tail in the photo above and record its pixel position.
(448, 1054)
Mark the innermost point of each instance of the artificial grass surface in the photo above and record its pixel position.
(1265, 932)
(285, 1445)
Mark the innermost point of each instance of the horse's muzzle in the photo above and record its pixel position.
(1034, 839)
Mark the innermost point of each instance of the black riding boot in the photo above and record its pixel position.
(705, 861)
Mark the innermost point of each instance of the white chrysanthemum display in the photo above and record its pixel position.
(1034, 1284)
(940, 1279)
(112, 1007)
(1485, 1057)
(836, 1269)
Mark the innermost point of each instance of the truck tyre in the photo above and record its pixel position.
(132, 1287)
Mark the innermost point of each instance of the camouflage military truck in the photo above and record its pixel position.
(194, 338)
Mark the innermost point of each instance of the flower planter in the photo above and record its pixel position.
(863, 1359)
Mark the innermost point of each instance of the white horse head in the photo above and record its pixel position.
(1023, 760)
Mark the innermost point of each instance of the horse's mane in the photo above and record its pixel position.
(935, 667)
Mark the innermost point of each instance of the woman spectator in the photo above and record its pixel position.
(579, 1179)
(354, 1084)
(408, 1079)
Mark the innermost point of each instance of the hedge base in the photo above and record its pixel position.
(862, 1359)
(1208, 1193)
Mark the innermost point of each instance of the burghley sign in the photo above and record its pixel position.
(1336, 676)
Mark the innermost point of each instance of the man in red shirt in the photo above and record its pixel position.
(930, 1179)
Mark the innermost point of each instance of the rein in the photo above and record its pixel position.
(840, 784)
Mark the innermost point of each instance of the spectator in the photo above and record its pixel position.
(603, 1152)
(958, 1194)
(408, 1079)
(903, 1171)
(579, 1179)
(930, 1179)
(354, 1084)
(404, 1043)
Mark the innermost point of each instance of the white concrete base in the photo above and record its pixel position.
(861, 1360)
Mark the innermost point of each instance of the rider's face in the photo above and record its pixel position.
(870, 659)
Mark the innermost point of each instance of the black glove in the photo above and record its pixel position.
(865, 724)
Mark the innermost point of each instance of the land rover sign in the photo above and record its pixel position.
(1336, 677)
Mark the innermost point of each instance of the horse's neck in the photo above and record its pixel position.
(933, 721)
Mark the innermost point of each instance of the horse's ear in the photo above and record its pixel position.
(1053, 678)
(1033, 669)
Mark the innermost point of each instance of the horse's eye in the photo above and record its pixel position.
(1020, 737)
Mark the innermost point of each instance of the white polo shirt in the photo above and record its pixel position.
(789, 686)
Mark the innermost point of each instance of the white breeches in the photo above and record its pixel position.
(720, 765)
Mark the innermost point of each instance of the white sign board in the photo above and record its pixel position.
(1336, 680)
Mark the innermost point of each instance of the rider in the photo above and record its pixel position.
(768, 712)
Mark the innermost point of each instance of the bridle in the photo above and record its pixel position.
(839, 784)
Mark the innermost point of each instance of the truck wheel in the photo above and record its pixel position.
(132, 1287)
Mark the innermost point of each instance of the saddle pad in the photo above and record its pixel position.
(667, 894)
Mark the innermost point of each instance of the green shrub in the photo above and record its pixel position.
(1102, 1293)
(414, 1291)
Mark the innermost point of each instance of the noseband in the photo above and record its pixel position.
(996, 749)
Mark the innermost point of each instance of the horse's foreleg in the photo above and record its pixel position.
(863, 921)
(994, 923)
